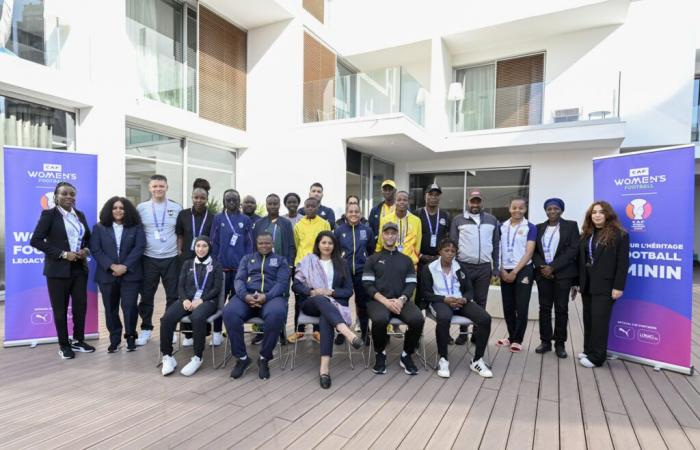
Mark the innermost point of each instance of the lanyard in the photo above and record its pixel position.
(354, 247)
(549, 243)
(515, 234)
(590, 248)
(160, 227)
(430, 225)
(274, 235)
(201, 228)
(233, 230)
(451, 287)
(402, 234)
(206, 275)
(79, 227)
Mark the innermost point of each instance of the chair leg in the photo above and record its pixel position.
(352, 366)
(294, 355)
(370, 353)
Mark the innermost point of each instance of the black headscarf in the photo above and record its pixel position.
(205, 239)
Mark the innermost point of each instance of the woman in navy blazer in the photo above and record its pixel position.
(117, 244)
(63, 235)
(329, 302)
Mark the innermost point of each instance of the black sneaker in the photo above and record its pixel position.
(263, 369)
(257, 339)
(65, 352)
(544, 347)
(82, 347)
(379, 364)
(240, 367)
(113, 348)
(131, 343)
(406, 362)
(451, 341)
(461, 339)
(339, 339)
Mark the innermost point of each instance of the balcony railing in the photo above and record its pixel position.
(383, 91)
(525, 105)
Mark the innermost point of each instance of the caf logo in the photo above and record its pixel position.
(47, 200)
(638, 211)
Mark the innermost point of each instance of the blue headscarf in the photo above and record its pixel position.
(554, 201)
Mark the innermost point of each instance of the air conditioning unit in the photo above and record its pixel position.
(566, 115)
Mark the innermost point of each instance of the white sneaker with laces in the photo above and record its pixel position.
(217, 339)
(187, 342)
(443, 368)
(144, 337)
(191, 366)
(169, 365)
(481, 368)
(581, 355)
(585, 362)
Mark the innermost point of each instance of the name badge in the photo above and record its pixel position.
(234, 239)
(433, 240)
(548, 257)
(198, 294)
(156, 234)
(400, 248)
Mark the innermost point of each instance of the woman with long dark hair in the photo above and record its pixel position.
(117, 244)
(63, 235)
(603, 262)
(323, 285)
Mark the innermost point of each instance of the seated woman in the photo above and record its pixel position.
(448, 291)
(261, 282)
(198, 288)
(324, 286)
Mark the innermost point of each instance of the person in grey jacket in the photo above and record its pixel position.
(478, 236)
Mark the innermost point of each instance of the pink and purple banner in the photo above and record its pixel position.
(652, 193)
(30, 178)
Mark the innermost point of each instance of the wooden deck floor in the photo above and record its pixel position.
(121, 400)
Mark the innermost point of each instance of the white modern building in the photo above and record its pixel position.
(511, 97)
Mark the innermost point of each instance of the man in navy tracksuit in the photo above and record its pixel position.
(356, 243)
(261, 281)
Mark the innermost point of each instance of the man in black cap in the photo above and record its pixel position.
(435, 224)
(390, 279)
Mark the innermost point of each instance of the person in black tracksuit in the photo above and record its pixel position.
(62, 233)
(356, 244)
(556, 251)
(448, 291)
(435, 224)
(603, 262)
(390, 279)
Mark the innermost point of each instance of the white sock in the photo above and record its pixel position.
(244, 358)
(262, 357)
(404, 354)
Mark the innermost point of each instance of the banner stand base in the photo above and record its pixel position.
(657, 365)
(32, 343)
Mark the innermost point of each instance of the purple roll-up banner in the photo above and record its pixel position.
(652, 193)
(30, 178)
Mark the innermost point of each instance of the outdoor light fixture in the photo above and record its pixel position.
(421, 96)
(456, 92)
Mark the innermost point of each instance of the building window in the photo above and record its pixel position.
(695, 130)
(27, 124)
(498, 186)
(23, 30)
(364, 176)
(163, 36)
(507, 93)
(181, 161)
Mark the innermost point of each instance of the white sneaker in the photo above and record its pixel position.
(481, 368)
(217, 338)
(581, 355)
(169, 365)
(187, 342)
(144, 337)
(443, 368)
(585, 362)
(191, 366)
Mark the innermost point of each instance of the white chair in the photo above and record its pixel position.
(402, 334)
(311, 320)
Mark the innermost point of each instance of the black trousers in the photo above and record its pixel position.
(516, 301)
(410, 315)
(155, 269)
(482, 326)
(597, 310)
(63, 291)
(361, 301)
(553, 292)
(329, 316)
(124, 293)
(480, 276)
(199, 317)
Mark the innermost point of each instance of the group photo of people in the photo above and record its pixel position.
(363, 279)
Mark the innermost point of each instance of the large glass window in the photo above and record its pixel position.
(364, 175)
(27, 124)
(497, 186)
(695, 130)
(149, 153)
(22, 29)
(163, 36)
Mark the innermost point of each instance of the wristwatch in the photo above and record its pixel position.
(403, 298)
(64, 255)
